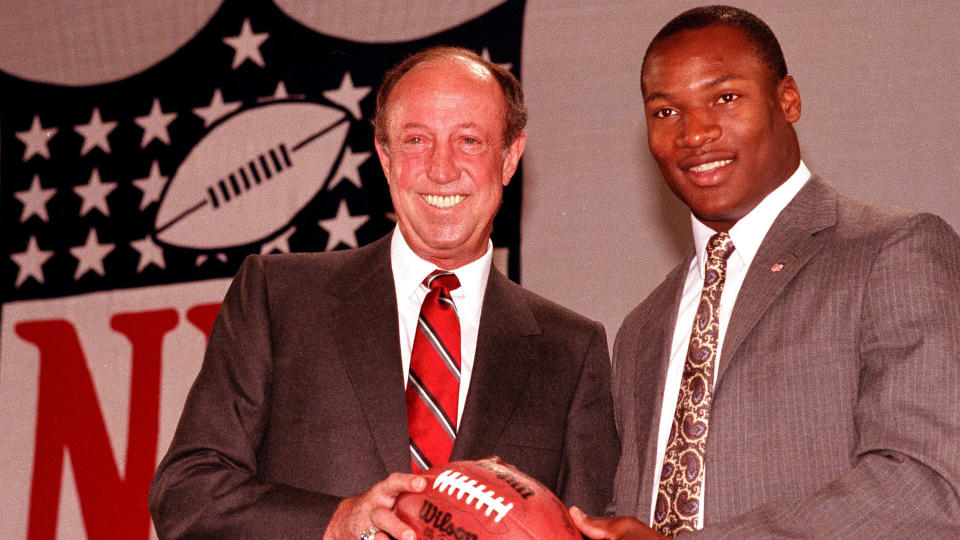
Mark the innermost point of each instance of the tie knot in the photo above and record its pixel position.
(720, 246)
(438, 279)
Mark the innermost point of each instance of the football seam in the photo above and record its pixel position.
(452, 481)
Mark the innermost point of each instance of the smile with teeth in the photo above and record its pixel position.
(706, 167)
(441, 201)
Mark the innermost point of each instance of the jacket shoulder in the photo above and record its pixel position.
(547, 311)
(336, 272)
(858, 220)
(663, 296)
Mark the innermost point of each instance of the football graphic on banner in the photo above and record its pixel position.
(216, 200)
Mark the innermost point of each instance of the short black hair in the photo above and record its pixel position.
(756, 31)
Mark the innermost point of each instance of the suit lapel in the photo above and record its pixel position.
(649, 391)
(501, 368)
(789, 245)
(366, 329)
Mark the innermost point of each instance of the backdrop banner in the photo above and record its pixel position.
(127, 206)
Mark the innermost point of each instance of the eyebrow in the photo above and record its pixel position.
(413, 125)
(417, 125)
(709, 84)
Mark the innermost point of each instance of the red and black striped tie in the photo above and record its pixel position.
(433, 387)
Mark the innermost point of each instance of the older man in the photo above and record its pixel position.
(329, 376)
(798, 375)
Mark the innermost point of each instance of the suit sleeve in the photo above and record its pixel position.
(591, 443)
(207, 485)
(905, 475)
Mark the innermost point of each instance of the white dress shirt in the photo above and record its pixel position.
(409, 271)
(747, 235)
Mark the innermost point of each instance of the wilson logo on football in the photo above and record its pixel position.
(461, 485)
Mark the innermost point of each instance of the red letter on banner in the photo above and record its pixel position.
(69, 416)
(203, 317)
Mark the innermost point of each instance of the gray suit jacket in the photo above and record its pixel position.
(836, 409)
(300, 399)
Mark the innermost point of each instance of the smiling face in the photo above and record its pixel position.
(445, 158)
(718, 125)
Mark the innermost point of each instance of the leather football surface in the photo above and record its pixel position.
(484, 499)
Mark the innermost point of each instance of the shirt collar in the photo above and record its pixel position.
(748, 233)
(409, 270)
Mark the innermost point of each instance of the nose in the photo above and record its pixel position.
(442, 166)
(698, 128)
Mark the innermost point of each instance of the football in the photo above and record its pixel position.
(251, 174)
(484, 499)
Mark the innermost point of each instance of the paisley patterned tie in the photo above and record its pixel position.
(681, 479)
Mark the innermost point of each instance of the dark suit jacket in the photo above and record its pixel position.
(836, 409)
(300, 399)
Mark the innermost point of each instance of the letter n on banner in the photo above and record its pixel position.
(98, 368)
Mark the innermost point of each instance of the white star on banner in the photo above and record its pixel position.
(155, 124)
(95, 133)
(35, 139)
(343, 227)
(90, 255)
(150, 253)
(217, 109)
(486, 56)
(280, 244)
(94, 194)
(35, 200)
(281, 91)
(151, 186)
(349, 168)
(31, 262)
(348, 95)
(246, 46)
(202, 259)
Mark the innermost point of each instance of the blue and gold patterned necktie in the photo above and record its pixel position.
(681, 478)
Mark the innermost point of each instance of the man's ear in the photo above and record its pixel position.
(512, 159)
(788, 96)
(384, 156)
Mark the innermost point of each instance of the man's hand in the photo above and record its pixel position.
(374, 508)
(615, 528)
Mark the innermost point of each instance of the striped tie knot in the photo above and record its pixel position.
(441, 279)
